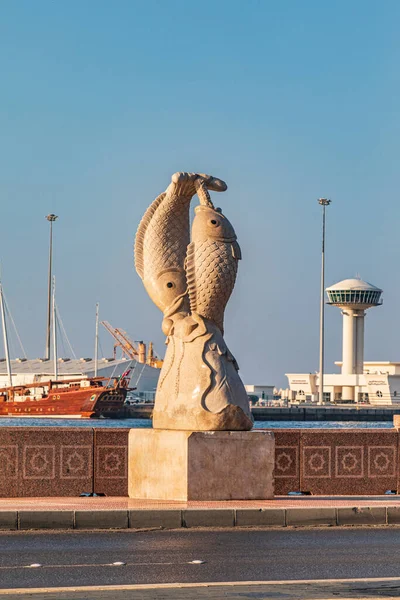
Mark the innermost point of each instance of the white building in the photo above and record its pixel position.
(261, 391)
(375, 382)
(25, 371)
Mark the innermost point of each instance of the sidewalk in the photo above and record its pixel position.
(123, 513)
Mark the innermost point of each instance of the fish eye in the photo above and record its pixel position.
(170, 284)
(214, 222)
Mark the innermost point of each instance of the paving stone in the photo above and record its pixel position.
(310, 516)
(46, 519)
(262, 517)
(168, 519)
(209, 518)
(375, 515)
(101, 519)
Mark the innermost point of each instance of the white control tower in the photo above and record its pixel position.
(354, 297)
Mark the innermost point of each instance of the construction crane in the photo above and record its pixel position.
(129, 349)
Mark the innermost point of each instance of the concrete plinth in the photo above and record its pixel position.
(201, 465)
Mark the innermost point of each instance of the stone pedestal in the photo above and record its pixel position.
(201, 465)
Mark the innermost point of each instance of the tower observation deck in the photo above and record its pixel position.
(354, 297)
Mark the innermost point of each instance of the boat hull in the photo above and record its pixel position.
(84, 402)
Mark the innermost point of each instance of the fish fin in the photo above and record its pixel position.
(236, 251)
(191, 275)
(141, 231)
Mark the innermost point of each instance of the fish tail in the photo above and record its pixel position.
(202, 193)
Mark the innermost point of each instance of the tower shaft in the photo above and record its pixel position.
(353, 341)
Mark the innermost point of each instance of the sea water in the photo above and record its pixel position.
(135, 423)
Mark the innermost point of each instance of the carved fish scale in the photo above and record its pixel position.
(163, 236)
(211, 270)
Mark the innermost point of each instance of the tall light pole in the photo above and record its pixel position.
(324, 202)
(51, 218)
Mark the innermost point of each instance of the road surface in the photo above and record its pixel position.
(153, 557)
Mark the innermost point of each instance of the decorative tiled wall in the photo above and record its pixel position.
(61, 461)
(336, 462)
(352, 462)
(45, 461)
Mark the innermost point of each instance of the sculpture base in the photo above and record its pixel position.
(201, 465)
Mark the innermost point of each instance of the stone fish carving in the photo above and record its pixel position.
(191, 282)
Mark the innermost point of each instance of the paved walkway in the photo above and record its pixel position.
(305, 589)
(123, 503)
(124, 513)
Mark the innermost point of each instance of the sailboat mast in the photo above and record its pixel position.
(54, 331)
(51, 218)
(5, 336)
(96, 344)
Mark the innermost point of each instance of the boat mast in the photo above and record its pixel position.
(51, 218)
(54, 330)
(5, 336)
(96, 344)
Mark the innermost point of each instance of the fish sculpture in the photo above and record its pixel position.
(211, 261)
(162, 238)
(191, 281)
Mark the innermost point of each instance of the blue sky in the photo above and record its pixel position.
(287, 101)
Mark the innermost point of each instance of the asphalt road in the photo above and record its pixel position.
(81, 558)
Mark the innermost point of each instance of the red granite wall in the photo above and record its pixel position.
(62, 461)
(287, 461)
(45, 461)
(336, 462)
(111, 461)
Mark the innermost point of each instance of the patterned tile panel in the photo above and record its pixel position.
(287, 461)
(348, 462)
(39, 462)
(382, 461)
(45, 461)
(76, 462)
(111, 461)
(316, 461)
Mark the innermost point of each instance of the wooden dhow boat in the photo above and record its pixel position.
(58, 397)
(65, 398)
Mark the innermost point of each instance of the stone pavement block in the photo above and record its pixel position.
(8, 519)
(168, 519)
(101, 519)
(310, 516)
(263, 517)
(375, 515)
(209, 517)
(46, 519)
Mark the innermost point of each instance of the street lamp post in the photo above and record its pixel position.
(324, 202)
(51, 218)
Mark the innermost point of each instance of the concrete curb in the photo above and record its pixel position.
(191, 518)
